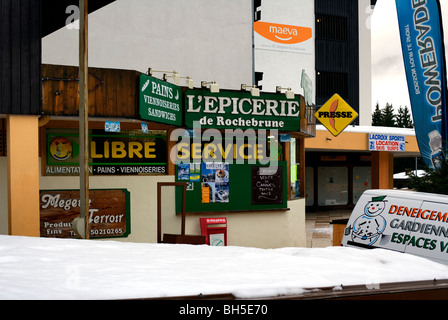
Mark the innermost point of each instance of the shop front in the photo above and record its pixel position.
(241, 157)
(336, 180)
(237, 154)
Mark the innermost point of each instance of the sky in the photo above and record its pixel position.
(388, 76)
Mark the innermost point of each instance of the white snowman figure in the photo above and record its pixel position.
(369, 227)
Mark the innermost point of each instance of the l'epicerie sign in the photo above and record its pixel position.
(241, 110)
(404, 221)
(109, 213)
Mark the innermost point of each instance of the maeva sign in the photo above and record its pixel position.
(241, 110)
(160, 101)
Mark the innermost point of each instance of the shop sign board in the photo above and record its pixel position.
(241, 110)
(160, 101)
(109, 154)
(267, 185)
(109, 213)
(283, 37)
(336, 115)
(404, 221)
(387, 142)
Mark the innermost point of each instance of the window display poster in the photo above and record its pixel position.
(214, 192)
(189, 172)
(183, 173)
(195, 172)
(215, 182)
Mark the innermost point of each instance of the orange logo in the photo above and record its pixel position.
(61, 149)
(283, 33)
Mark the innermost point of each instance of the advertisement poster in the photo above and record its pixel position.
(215, 182)
(189, 172)
(424, 59)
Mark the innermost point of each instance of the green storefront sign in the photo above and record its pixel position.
(241, 110)
(160, 101)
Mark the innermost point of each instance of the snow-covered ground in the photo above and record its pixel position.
(43, 268)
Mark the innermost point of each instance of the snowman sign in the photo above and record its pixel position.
(404, 221)
(369, 227)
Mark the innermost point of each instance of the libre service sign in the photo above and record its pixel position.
(387, 142)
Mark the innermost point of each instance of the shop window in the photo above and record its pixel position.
(361, 181)
(333, 186)
(309, 186)
(330, 82)
(295, 168)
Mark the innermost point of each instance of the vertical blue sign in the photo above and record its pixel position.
(421, 34)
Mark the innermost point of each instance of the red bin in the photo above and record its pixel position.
(214, 230)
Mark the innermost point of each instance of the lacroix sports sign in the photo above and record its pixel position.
(282, 33)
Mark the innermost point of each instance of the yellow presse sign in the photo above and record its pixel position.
(336, 115)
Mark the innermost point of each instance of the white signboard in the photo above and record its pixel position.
(387, 142)
(283, 37)
(404, 221)
(284, 46)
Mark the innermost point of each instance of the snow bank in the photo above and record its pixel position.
(43, 268)
(405, 176)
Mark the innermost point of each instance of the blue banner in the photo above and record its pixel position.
(421, 34)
